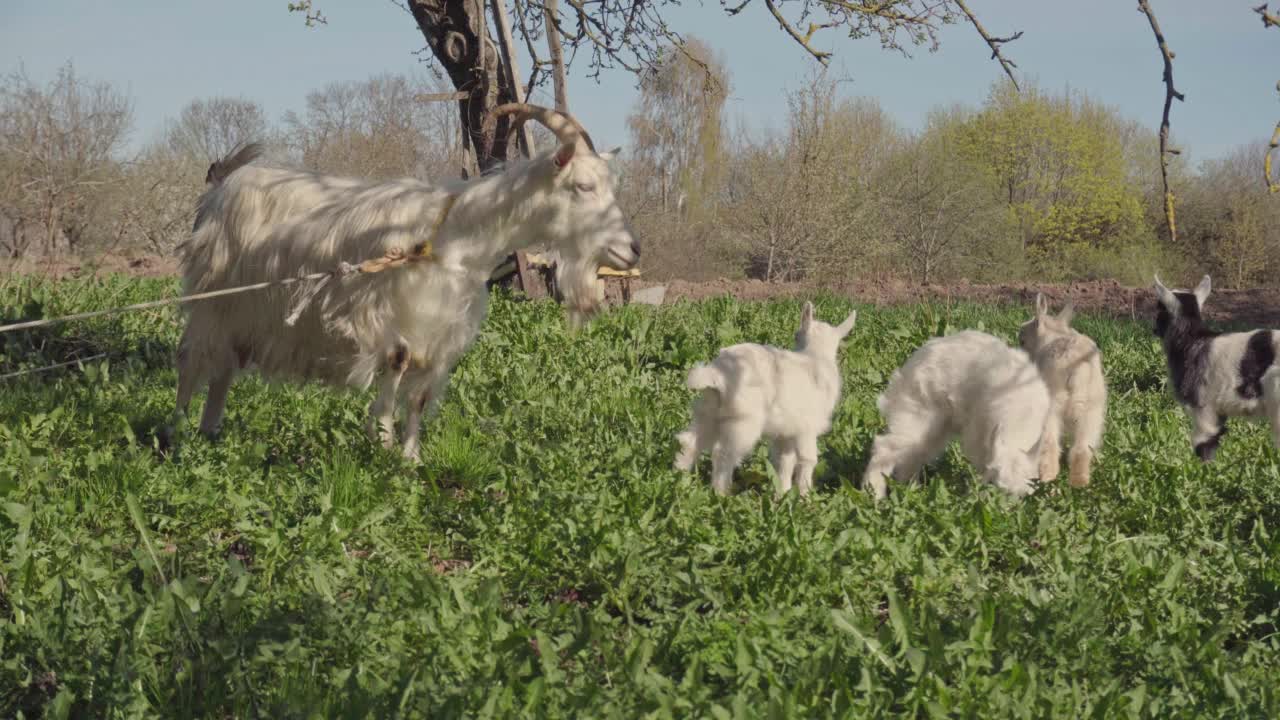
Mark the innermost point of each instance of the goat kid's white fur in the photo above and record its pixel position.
(970, 385)
(1071, 367)
(411, 324)
(752, 390)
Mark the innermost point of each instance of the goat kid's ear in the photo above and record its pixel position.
(806, 316)
(1068, 312)
(609, 155)
(993, 438)
(1042, 305)
(1202, 291)
(846, 327)
(564, 155)
(1166, 297)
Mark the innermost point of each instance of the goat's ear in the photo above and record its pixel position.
(806, 317)
(846, 327)
(993, 438)
(564, 155)
(609, 155)
(1202, 291)
(1042, 306)
(1068, 312)
(1166, 297)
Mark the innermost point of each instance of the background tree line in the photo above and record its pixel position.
(1026, 185)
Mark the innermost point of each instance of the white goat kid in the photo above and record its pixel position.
(1071, 366)
(1216, 375)
(972, 385)
(411, 324)
(751, 390)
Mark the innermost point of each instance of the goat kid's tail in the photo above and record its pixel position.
(706, 377)
(236, 159)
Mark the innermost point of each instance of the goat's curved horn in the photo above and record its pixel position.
(567, 129)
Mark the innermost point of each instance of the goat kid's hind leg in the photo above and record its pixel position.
(736, 438)
(1207, 432)
(806, 450)
(1051, 445)
(782, 455)
(1086, 438)
(700, 436)
(910, 443)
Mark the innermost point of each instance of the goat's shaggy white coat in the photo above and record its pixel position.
(1215, 375)
(1071, 366)
(969, 385)
(411, 324)
(752, 390)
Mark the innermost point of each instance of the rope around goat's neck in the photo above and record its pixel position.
(394, 257)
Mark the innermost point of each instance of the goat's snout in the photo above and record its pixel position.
(635, 247)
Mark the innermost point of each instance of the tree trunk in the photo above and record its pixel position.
(458, 36)
(557, 56)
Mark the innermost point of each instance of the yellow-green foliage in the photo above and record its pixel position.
(1059, 165)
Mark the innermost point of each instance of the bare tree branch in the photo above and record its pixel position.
(313, 17)
(1169, 95)
(993, 42)
(1269, 20)
(1272, 185)
(819, 55)
(441, 96)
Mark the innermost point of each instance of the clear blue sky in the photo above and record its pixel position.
(165, 53)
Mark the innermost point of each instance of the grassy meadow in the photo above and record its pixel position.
(544, 560)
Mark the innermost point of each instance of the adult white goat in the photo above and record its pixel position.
(972, 385)
(1216, 375)
(411, 324)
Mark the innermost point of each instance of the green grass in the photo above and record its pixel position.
(544, 560)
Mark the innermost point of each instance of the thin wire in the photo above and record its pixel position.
(161, 303)
(55, 366)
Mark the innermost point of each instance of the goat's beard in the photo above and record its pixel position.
(578, 280)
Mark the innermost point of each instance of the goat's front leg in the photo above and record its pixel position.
(1208, 431)
(423, 396)
(382, 413)
(187, 382)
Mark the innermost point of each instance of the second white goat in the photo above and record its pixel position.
(752, 390)
(970, 385)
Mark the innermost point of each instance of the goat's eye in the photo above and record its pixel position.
(584, 187)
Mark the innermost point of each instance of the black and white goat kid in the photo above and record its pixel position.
(1216, 375)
